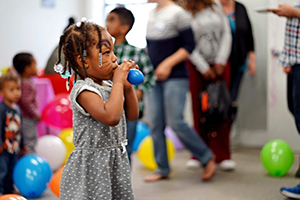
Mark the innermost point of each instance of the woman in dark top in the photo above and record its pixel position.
(242, 53)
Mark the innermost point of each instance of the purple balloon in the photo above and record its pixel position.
(173, 137)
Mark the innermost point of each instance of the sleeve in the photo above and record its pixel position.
(249, 39)
(21, 128)
(183, 23)
(28, 93)
(2, 120)
(79, 91)
(198, 60)
(147, 69)
(226, 38)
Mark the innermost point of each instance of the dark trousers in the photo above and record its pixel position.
(235, 82)
(294, 94)
(7, 164)
(216, 137)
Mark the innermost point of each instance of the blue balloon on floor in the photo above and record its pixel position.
(31, 174)
(142, 131)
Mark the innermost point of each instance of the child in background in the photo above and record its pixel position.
(25, 65)
(98, 167)
(11, 137)
(118, 23)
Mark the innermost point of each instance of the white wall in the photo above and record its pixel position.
(27, 26)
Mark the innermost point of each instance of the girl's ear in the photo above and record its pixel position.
(79, 62)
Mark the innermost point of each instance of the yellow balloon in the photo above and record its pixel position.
(145, 152)
(66, 135)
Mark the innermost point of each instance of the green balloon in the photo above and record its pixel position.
(277, 157)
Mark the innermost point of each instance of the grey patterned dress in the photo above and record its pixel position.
(98, 167)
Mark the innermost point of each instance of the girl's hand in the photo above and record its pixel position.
(121, 73)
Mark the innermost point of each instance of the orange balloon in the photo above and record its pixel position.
(55, 182)
(12, 197)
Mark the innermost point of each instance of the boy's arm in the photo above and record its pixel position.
(147, 69)
(21, 128)
(1, 128)
(26, 101)
(285, 10)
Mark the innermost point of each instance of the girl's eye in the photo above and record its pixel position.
(106, 52)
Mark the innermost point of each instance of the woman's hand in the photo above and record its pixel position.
(219, 69)
(163, 71)
(209, 74)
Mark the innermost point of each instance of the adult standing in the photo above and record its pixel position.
(170, 41)
(290, 60)
(206, 64)
(242, 55)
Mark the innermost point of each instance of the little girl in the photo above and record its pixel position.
(98, 168)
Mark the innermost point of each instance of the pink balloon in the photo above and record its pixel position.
(58, 112)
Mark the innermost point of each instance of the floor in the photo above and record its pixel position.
(248, 182)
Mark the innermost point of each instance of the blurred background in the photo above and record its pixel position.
(35, 26)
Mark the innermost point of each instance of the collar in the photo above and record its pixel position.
(125, 42)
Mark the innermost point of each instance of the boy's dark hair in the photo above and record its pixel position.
(77, 40)
(22, 60)
(126, 17)
(7, 77)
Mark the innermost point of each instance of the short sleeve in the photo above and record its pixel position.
(80, 90)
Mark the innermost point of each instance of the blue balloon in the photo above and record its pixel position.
(31, 174)
(135, 77)
(142, 131)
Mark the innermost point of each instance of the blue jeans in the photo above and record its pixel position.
(131, 130)
(296, 94)
(166, 102)
(7, 164)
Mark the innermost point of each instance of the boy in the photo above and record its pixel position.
(25, 65)
(290, 60)
(11, 140)
(118, 23)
